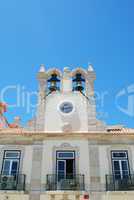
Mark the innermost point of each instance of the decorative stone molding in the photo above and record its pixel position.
(54, 70)
(80, 70)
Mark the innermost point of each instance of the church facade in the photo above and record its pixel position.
(65, 152)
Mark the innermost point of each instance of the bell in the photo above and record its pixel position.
(53, 86)
(78, 77)
(78, 82)
(53, 83)
(78, 87)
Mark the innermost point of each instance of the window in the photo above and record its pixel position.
(119, 154)
(11, 162)
(65, 164)
(66, 107)
(120, 164)
(65, 155)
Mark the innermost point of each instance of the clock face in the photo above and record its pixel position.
(66, 107)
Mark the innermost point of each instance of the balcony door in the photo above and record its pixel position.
(65, 164)
(11, 163)
(120, 164)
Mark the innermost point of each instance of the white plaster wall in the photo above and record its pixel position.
(13, 196)
(48, 157)
(66, 85)
(58, 195)
(54, 120)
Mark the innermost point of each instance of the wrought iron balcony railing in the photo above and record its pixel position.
(12, 182)
(114, 183)
(71, 182)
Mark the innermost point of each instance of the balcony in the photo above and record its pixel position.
(12, 182)
(120, 184)
(71, 182)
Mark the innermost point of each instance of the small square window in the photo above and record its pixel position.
(12, 154)
(119, 154)
(65, 155)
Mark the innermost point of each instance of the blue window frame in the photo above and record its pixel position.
(65, 155)
(120, 164)
(65, 164)
(11, 162)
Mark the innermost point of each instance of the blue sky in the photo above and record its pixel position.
(70, 33)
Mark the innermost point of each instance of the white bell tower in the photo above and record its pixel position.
(66, 101)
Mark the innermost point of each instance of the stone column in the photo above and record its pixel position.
(91, 106)
(66, 81)
(36, 171)
(94, 165)
(41, 99)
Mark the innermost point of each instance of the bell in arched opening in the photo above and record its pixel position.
(53, 83)
(78, 82)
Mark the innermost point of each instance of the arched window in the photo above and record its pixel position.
(78, 82)
(53, 82)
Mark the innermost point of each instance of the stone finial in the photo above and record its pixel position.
(41, 75)
(42, 68)
(90, 68)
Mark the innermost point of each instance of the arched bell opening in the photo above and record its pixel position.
(78, 82)
(53, 83)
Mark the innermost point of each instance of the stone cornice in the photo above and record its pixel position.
(22, 136)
